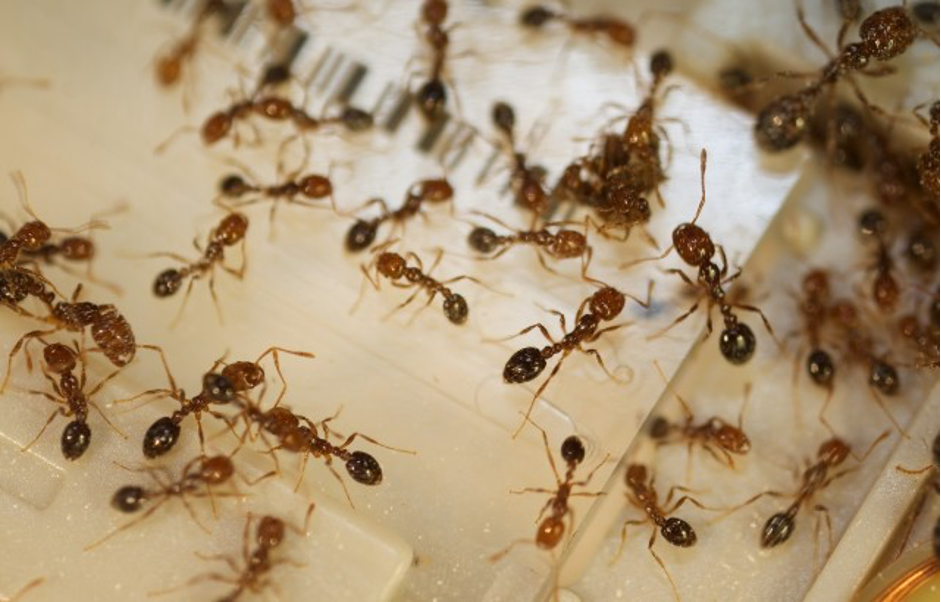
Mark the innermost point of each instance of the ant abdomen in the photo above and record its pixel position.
(573, 450)
(161, 437)
(884, 377)
(364, 468)
(128, 499)
(777, 530)
(483, 240)
(76, 437)
(455, 308)
(737, 343)
(781, 125)
(524, 365)
(360, 235)
(550, 533)
(820, 367)
(536, 16)
(659, 428)
(678, 532)
(432, 98)
(168, 282)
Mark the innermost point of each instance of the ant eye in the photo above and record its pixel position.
(431, 99)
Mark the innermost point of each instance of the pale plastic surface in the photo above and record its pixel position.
(96, 150)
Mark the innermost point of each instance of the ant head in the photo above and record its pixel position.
(128, 499)
(76, 437)
(33, 235)
(216, 470)
(833, 452)
(316, 186)
(678, 532)
(59, 358)
(504, 117)
(573, 450)
(77, 248)
(360, 235)
(550, 533)
(482, 240)
(455, 309)
(433, 191)
(693, 244)
(659, 428)
(606, 303)
(523, 366)
(636, 475)
(243, 376)
(732, 439)
(661, 64)
(216, 127)
(536, 16)
(777, 530)
(161, 437)
(816, 285)
(434, 12)
(921, 250)
(820, 367)
(270, 532)
(887, 33)
(168, 69)
(782, 123)
(233, 186)
(356, 120)
(278, 73)
(168, 282)
(231, 229)
(737, 343)
(364, 468)
(568, 244)
(218, 388)
(432, 97)
(884, 377)
(391, 265)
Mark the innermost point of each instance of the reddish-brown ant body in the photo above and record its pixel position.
(561, 244)
(200, 473)
(69, 393)
(617, 30)
(526, 179)
(296, 190)
(432, 96)
(395, 267)
(363, 232)
(641, 494)
(551, 530)
(230, 231)
(814, 308)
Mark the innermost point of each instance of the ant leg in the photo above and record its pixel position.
(163, 361)
(542, 329)
(192, 512)
(41, 431)
(620, 549)
(197, 579)
(589, 476)
(532, 490)
(679, 503)
(352, 437)
(878, 400)
(653, 538)
(303, 470)
(764, 319)
(226, 558)
(215, 297)
(663, 331)
(496, 557)
(346, 491)
(682, 275)
(539, 391)
(826, 517)
(127, 525)
(277, 366)
(105, 418)
(16, 348)
(823, 409)
(747, 502)
(594, 353)
(811, 33)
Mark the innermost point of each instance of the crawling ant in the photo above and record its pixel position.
(552, 529)
(200, 472)
(70, 395)
(170, 65)
(884, 35)
(252, 575)
(696, 248)
(617, 30)
(432, 95)
(817, 476)
(885, 288)
(109, 329)
(363, 232)
(641, 494)
(561, 244)
(230, 231)
(814, 308)
(526, 179)
(604, 305)
(395, 267)
(295, 190)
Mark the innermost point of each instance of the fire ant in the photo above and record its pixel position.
(432, 95)
(526, 179)
(70, 394)
(884, 35)
(551, 530)
(230, 231)
(816, 477)
(696, 248)
(170, 65)
(715, 435)
(604, 305)
(641, 494)
(561, 244)
(885, 288)
(395, 267)
(617, 30)
(198, 473)
(363, 232)
(814, 308)
(109, 329)
(252, 576)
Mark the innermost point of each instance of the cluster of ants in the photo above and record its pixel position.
(610, 184)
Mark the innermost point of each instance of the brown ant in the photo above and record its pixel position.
(561, 244)
(170, 65)
(884, 35)
(432, 95)
(617, 30)
(252, 575)
(70, 394)
(814, 308)
(396, 268)
(885, 288)
(230, 231)
(363, 232)
(696, 248)
(109, 329)
(552, 529)
(642, 494)
(604, 305)
(816, 477)
(200, 472)
(526, 179)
